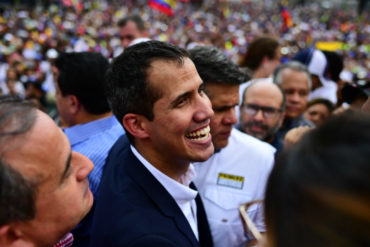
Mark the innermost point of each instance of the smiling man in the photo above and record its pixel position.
(238, 170)
(44, 188)
(146, 196)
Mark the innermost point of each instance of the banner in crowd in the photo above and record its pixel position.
(337, 46)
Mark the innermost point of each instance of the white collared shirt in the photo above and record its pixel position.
(236, 174)
(181, 192)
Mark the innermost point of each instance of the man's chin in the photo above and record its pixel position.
(257, 135)
(220, 144)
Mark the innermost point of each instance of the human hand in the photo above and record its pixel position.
(294, 135)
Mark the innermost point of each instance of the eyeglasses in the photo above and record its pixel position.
(251, 228)
(267, 112)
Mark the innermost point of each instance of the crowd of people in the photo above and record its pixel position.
(190, 122)
(33, 36)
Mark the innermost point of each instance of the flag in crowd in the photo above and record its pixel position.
(165, 6)
(285, 14)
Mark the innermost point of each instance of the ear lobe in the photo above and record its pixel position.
(74, 104)
(4, 231)
(135, 124)
(11, 237)
(264, 60)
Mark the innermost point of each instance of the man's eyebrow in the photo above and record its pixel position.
(186, 94)
(224, 107)
(67, 167)
(178, 98)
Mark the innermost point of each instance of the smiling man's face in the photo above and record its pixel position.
(180, 131)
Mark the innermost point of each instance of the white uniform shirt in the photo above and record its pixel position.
(182, 193)
(236, 174)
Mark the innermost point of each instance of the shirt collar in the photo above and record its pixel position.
(181, 192)
(81, 132)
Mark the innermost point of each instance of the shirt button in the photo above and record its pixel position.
(224, 220)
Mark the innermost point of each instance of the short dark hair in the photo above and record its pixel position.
(134, 18)
(215, 67)
(82, 74)
(127, 87)
(318, 191)
(17, 193)
(259, 48)
(323, 101)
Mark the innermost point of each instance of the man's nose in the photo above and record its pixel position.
(83, 165)
(230, 117)
(204, 109)
(295, 97)
(259, 115)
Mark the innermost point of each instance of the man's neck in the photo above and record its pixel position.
(259, 73)
(174, 169)
(85, 117)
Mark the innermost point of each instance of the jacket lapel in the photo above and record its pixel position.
(205, 237)
(159, 195)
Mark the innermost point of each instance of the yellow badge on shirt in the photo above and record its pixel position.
(232, 181)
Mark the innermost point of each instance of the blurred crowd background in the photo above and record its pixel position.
(33, 33)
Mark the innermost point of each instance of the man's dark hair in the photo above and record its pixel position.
(17, 194)
(127, 87)
(82, 74)
(318, 191)
(258, 49)
(323, 101)
(214, 66)
(134, 18)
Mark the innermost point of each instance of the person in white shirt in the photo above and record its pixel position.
(239, 169)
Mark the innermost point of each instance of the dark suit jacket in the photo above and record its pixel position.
(134, 209)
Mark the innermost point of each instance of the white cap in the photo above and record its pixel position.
(317, 63)
(317, 66)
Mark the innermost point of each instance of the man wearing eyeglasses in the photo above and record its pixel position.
(237, 172)
(262, 111)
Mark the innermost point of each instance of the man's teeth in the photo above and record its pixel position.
(200, 134)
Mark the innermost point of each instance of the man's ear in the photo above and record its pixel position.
(74, 104)
(12, 237)
(136, 125)
(265, 59)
